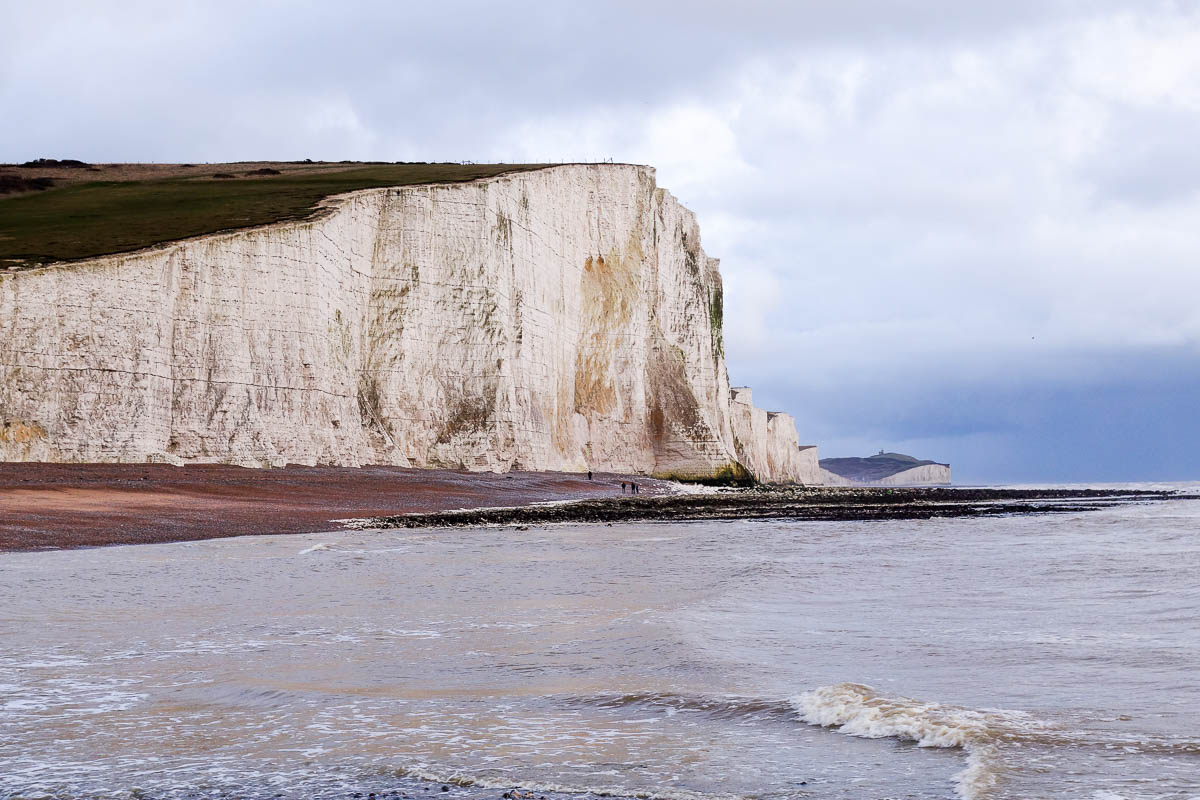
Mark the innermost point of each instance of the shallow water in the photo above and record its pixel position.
(1012, 657)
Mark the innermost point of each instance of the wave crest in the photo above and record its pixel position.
(859, 710)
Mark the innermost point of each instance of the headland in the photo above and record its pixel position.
(884, 469)
(482, 317)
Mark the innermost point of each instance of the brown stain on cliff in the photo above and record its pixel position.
(16, 431)
(674, 409)
(22, 440)
(609, 294)
(469, 415)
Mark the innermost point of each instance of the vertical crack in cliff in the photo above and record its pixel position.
(384, 324)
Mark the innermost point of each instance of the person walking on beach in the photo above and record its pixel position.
(589, 474)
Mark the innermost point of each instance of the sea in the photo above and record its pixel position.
(1041, 656)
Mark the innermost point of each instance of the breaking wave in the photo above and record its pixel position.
(859, 710)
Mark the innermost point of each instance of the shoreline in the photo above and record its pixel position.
(47, 506)
(835, 504)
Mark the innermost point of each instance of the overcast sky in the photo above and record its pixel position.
(967, 230)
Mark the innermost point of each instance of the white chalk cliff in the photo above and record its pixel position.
(926, 475)
(883, 469)
(560, 319)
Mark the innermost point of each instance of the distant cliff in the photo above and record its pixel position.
(884, 469)
(565, 318)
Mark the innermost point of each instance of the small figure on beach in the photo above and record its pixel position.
(589, 474)
(622, 487)
(634, 486)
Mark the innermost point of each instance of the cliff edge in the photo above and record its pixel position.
(559, 319)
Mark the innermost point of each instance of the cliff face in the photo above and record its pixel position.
(883, 469)
(833, 479)
(560, 319)
(926, 475)
(765, 442)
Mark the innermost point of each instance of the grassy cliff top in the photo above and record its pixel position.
(66, 210)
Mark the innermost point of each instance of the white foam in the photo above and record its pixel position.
(416, 634)
(51, 664)
(315, 548)
(859, 710)
(677, 488)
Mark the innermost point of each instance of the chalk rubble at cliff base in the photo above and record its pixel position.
(560, 319)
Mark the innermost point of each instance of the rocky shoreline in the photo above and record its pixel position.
(796, 503)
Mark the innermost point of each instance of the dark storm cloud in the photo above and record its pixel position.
(1131, 419)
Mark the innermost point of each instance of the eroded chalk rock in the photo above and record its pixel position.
(560, 319)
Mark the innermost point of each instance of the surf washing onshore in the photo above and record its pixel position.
(1007, 655)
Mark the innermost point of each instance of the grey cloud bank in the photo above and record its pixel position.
(968, 230)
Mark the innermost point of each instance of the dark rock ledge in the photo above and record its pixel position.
(798, 503)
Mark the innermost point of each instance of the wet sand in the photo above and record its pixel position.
(84, 505)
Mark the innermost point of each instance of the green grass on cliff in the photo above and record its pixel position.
(87, 219)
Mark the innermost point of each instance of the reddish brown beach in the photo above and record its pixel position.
(83, 505)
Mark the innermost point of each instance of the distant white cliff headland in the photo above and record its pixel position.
(559, 319)
(884, 469)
